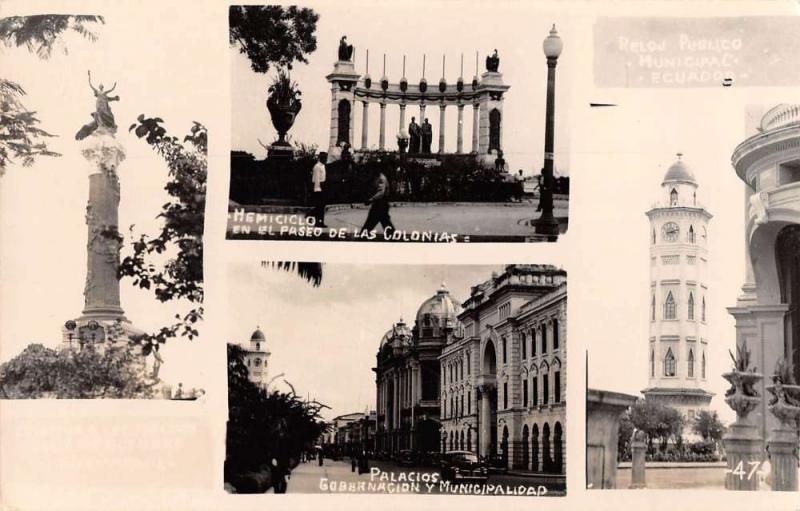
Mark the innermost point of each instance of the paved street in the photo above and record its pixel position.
(677, 478)
(386, 477)
(470, 222)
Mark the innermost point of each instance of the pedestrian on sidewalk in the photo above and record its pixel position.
(319, 457)
(379, 205)
(318, 176)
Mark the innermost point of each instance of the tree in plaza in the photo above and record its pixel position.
(41, 372)
(624, 437)
(263, 425)
(181, 235)
(273, 34)
(659, 422)
(707, 425)
(21, 138)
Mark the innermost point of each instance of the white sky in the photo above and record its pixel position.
(43, 233)
(325, 339)
(436, 31)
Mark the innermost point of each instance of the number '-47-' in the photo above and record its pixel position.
(739, 470)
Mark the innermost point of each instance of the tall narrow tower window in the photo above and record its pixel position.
(703, 365)
(653, 308)
(652, 363)
(703, 309)
(555, 334)
(690, 364)
(690, 312)
(653, 239)
(669, 363)
(673, 197)
(669, 307)
(690, 235)
(524, 346)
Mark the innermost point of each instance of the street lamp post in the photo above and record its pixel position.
(546, 224)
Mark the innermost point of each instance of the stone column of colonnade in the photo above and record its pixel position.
(365, 126)
(382, 139)
(475, 120)
(460, 135)
(441, 128)
(485, 419)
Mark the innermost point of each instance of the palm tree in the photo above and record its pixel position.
(312, 272)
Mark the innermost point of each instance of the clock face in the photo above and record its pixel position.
(670, 231)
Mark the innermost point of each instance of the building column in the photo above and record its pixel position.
(475, 117)
(402, 119)
(383, 127)
(460, 135)
(441, 128)
(486, 420)
(421, 113)
(365, 126)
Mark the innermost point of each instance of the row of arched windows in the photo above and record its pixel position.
(536, 338)
(671, 363)
(457, 405)
(456, 369)
(671, 307)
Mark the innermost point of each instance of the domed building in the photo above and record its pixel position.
(407, 377)
(767, 313)
(256, 358)
(678, 327)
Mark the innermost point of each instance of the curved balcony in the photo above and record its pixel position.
(779, 116)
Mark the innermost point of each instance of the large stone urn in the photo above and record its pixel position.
(742, 441)
(283, 115)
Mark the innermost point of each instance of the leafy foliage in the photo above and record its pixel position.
(40, 372)
(284, 90)
(264, 425)
(181, 277)
(20, 136)
(659, 422)
(707, 425)
(273, 34)
(39, 34)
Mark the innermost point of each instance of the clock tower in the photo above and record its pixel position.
(677, 367)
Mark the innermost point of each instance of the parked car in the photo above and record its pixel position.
(406, 458)
(463, 466)
(497, 465)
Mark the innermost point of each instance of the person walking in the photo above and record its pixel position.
(379, 206)
(318, 196)
(319, 457)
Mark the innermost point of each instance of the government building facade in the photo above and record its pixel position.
(487, 376)
(504, 381)
(678, 340)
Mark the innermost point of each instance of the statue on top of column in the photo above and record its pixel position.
(492, 62)
(345, 50)
(102, 117)
(414, 136)
(427, 136)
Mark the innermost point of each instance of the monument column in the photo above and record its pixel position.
(441, 128)
(460, 134)
(475, 118)
(101, 292)
(365, 126)
(382, 141)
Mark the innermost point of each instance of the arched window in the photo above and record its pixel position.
(557, 385)
(703, 365)
(257, 362)
(505, 350)
(533, 342)
(673, 197)
(653, 237)
(669, 307)
(468, 365)
(524, 384)
(505, 395)
(669, 363)
(545, 388)
(258, 346)
(653, 308)
(690, 311)
(524, 341)
(690, 234)
(690, 364)
(703, 309)
(652, 363)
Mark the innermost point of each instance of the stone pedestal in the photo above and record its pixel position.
(603, 410)
(744, 452)
(343, 81)
(782, 447)
(638, 452)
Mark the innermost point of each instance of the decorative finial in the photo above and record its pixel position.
(404, 65)
(462, 64)
(367, 60)
(423, 64)
(553, 30)
(442, 65)
(384, 64)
